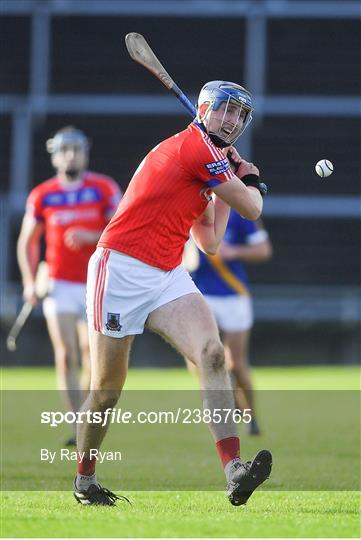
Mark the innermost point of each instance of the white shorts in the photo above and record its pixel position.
(122, 291)
(65, 297)
(233, 313)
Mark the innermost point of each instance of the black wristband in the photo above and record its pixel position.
(253, 180)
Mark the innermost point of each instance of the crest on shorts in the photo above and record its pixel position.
(113, 322)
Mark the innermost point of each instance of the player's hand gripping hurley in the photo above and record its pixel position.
(41, 289)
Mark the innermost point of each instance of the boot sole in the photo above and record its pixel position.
(259, 472)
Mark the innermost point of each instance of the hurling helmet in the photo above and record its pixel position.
(211, 97)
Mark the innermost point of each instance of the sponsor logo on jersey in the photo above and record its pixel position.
(113, 322)
(63, 217)
(70, 198)
(218, 167)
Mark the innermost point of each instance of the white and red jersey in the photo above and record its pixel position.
(87, 204)
(167, 193)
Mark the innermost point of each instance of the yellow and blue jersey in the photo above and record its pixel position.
(215, 276)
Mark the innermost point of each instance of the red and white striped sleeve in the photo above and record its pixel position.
(204, 159)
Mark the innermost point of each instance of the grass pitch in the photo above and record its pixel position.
(195, 514)
(189, 513)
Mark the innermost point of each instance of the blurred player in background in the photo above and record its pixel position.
(71, 209)
(223, 281)
(136, 277)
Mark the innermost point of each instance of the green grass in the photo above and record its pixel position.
(265, 378)
(273, 512)
(170, 514)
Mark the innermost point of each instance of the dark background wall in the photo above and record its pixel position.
(306, 109)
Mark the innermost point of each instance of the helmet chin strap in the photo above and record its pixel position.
(217, 141)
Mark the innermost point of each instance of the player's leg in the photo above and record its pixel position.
(83, 338)
(63, 306)
(108, 367)
(78, 292)
(188, 324)
(236, 323)
(63, 336)
(234, 315)
(109, 364)
(64, 339)
(236, 346)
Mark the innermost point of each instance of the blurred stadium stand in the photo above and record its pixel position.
(64, 61)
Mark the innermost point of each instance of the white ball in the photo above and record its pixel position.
(324, 168)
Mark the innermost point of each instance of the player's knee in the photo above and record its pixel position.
(105, 399)
(65, 361)
(72, 354)
(235, 367)
(85, 353)
(61, 359)
(235, 371)
(213, 355)
(242, 377)
(232, 369)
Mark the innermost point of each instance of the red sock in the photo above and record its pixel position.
(86, 467)
(228, 449)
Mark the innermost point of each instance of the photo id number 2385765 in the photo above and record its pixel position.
(216, 416)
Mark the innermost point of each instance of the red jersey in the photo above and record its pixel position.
(87, 204)
(167, 193)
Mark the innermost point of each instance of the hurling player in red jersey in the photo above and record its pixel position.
(71, 209)
(135, 277)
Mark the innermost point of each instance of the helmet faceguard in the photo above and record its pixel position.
(67, 137)
(225, 109)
